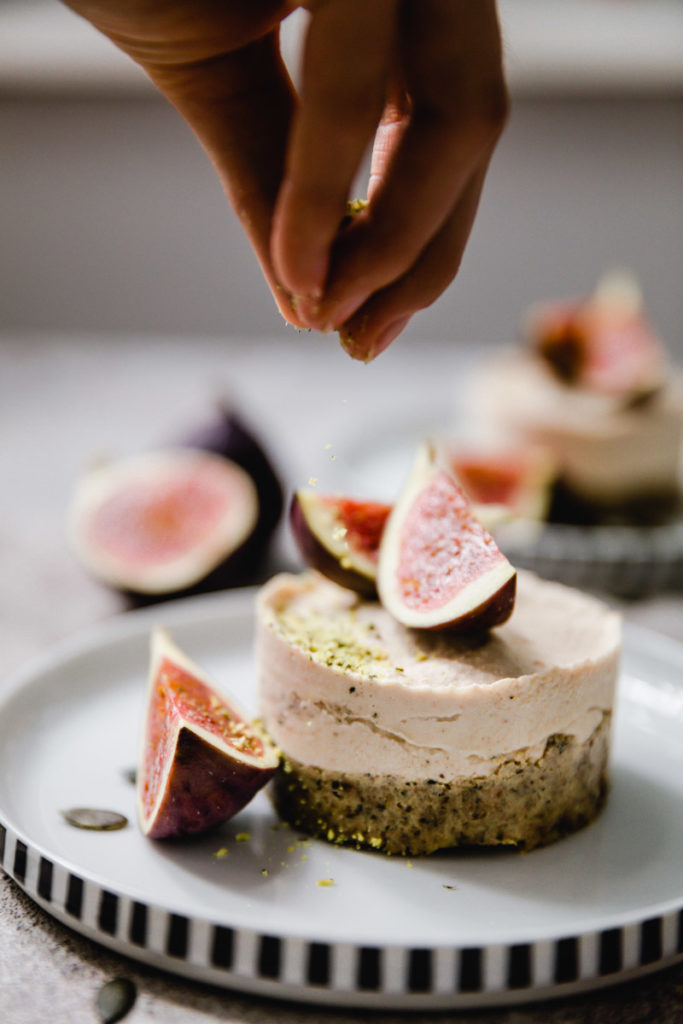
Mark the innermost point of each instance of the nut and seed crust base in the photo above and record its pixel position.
(524, 803)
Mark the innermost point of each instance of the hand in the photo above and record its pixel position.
(422, 77)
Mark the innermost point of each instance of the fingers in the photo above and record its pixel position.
(223, 100)
(430, 69)
(347, 55)
(385, 315)
(219, 64)
(451, 61)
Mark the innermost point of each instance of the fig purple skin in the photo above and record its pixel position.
(324, 535)
(227, 434)
(201, 759)
(204, 789)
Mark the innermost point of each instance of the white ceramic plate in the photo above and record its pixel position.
(628, 561)
(450, 930)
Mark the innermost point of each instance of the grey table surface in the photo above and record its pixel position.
(65, 401)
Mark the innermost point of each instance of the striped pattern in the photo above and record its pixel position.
(625, 560)
(360, 975)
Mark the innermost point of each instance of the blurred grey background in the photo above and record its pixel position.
(112, 220)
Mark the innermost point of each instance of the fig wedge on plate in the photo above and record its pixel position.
(339, 536)
(201, 759)
(165, 522)
(439, 568)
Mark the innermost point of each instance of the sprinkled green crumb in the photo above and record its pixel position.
(350, 649)
(325, 883)
(223, 852)
(243, 837)
(264, 872)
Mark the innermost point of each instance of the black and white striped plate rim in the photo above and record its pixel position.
(341, 973)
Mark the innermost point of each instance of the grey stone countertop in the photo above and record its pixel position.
(65, 401)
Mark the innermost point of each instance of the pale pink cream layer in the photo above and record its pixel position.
(344, 687)
(606, 449)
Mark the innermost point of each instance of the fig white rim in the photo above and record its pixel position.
(470, 598)
(317, 516)
(185, 569)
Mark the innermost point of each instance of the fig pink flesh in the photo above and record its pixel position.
(363, 521)
(158, 521)
(443, 548)
(489, 479)
(340, 537)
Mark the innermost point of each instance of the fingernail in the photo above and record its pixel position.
(350, 346)
(344, 313)
(388, 335)
(308, 310)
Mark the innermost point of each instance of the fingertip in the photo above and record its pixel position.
(287, 307)
(352, 346)
(365, 346)
(389, 335)
(299, 256)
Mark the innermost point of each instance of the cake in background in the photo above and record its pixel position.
(592, 386)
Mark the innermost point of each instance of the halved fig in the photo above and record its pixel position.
(339, 536)
(603, 343)
(165, 522)
(201, 758)
(439, 568)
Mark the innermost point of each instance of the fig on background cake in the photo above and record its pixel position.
(603, 343)
(503, 482)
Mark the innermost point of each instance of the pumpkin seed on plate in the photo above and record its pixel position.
(115, 999)
(95, 818)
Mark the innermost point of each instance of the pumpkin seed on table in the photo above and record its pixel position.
(95, 818)
(115, 999)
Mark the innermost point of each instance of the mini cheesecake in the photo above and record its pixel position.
(612, 454)
(409, 741)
